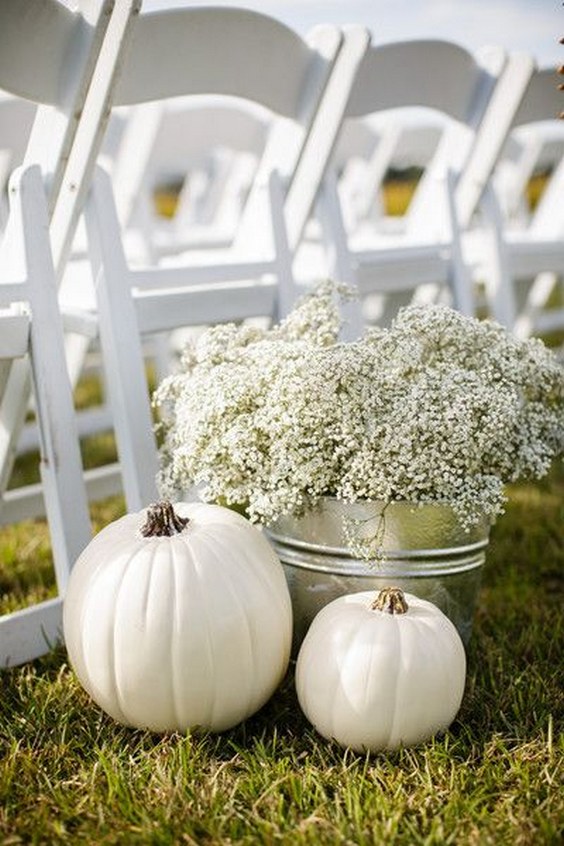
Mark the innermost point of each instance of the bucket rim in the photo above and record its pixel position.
(388, 568)
(288, 541)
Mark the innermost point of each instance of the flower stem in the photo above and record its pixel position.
(390, 601)
(162, 521)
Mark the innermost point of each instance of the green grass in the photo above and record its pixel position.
(70, 775)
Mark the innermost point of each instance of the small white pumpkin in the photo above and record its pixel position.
(380, 673)
(179, 617)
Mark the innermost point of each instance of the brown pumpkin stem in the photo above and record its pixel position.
(390, 601)
(162, 521)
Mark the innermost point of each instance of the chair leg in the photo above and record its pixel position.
(499, 289)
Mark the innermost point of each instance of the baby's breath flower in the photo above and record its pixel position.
(437, 408)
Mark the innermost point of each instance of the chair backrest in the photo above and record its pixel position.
(305, 81)
(31, 332)
(428, 75)
(541, 99)
(479, 94)
(196, 146)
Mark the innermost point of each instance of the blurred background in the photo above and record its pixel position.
(531, 25)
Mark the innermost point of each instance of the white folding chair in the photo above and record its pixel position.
(174, 53)
(66, 61)
(479, 97)
(304, 83)
(522, 263)
(199, 153)
(31, 341)
(170, 58)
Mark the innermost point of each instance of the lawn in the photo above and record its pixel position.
(69, 774)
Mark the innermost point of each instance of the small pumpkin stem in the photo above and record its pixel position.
(390, 601)
(162, 521)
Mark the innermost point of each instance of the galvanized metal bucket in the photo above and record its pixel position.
(425, 552)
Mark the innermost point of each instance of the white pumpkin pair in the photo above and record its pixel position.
(180, 617)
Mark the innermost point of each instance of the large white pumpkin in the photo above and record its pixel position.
(379, 674)
(177, 618)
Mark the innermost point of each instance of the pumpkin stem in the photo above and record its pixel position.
(162, 521)
(390, 601)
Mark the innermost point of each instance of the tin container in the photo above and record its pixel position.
(425, 552)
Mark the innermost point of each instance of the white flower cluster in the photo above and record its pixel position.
(437, 408)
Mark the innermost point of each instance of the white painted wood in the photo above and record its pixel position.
(37, 38)
(14, 339)
(492, 249)
(132, 302)
(316, 154)
(122, 349)
(265, 63)
(61, 464)
(166, 44)
(90, 130)
(29, 633)
(493, 131)
(28, 503)
(524, 259)
(65, 60)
